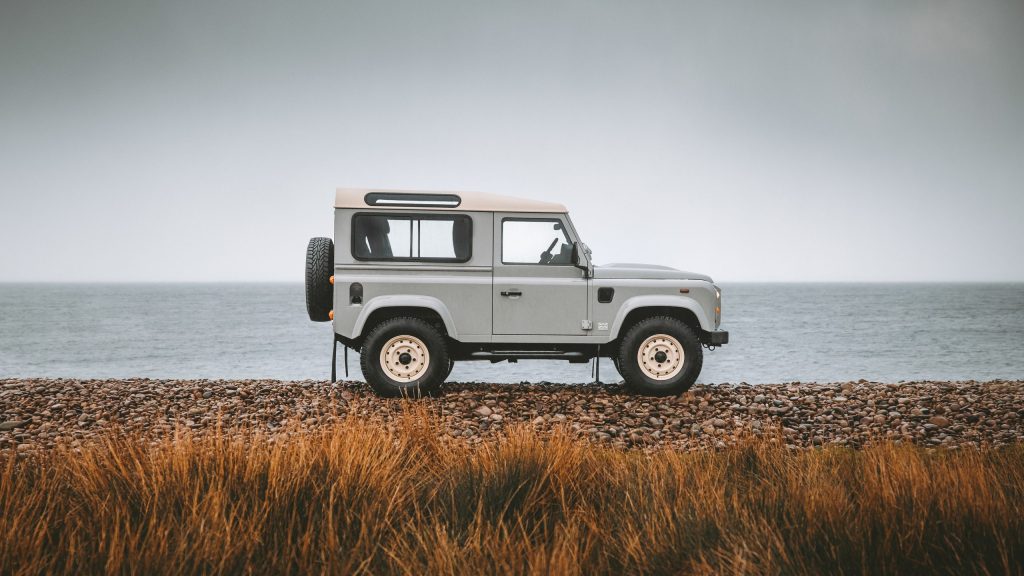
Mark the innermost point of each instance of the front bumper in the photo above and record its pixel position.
(716, 338)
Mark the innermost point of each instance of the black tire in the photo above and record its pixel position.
(426, 384)
(448, 372)
(635, 376)
(319, 268)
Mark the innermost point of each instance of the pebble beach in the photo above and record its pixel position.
(40, 414)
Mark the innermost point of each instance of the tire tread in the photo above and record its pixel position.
(319, 267)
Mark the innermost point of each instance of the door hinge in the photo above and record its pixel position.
(588, 325)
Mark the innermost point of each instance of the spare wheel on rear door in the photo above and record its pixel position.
(319, 269)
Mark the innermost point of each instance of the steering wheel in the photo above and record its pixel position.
(545, 256)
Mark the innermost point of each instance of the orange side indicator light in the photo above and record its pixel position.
(331, 314)
(331, 280)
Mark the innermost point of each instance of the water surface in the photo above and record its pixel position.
(778, 332)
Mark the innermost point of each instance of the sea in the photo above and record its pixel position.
(778, 333)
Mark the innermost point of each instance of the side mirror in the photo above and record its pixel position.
(580, 260)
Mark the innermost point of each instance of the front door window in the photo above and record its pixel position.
(535, 241)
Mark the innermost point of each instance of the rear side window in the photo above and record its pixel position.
(412, 237)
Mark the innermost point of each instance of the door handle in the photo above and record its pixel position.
(511, 293)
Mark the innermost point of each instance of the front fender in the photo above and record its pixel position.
(404, 301)
(663, 301)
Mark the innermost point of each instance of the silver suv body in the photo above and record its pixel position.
(416, 281)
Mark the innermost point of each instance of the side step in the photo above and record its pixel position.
(499, 355)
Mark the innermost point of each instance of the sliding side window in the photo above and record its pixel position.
(412, 237)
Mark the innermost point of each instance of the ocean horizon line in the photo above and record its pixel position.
(300, 281)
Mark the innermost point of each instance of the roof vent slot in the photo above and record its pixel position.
(407, 200)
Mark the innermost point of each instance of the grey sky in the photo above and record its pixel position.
(751, 141)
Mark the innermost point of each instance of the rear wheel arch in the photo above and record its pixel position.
(385, 312)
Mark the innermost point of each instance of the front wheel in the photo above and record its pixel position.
(660, 356)
(404, 357)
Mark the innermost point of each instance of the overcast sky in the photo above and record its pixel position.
(197, 140)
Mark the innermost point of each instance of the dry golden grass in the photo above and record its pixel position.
(363, 499)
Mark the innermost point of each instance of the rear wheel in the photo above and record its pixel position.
(660, 356)
(404, 357)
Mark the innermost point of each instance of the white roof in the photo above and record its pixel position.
(467, 201)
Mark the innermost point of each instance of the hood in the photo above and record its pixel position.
(645, 271)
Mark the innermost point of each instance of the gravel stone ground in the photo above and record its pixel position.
(38, 414)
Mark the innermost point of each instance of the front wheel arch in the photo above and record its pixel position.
(637, 315)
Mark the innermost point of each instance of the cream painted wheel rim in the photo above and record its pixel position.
(404, 358)
(660, 357)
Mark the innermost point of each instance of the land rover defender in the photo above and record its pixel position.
(416, 281)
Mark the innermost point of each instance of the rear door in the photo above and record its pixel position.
(537, 290)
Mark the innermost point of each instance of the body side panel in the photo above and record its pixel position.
(463, 294)
(459, 292)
